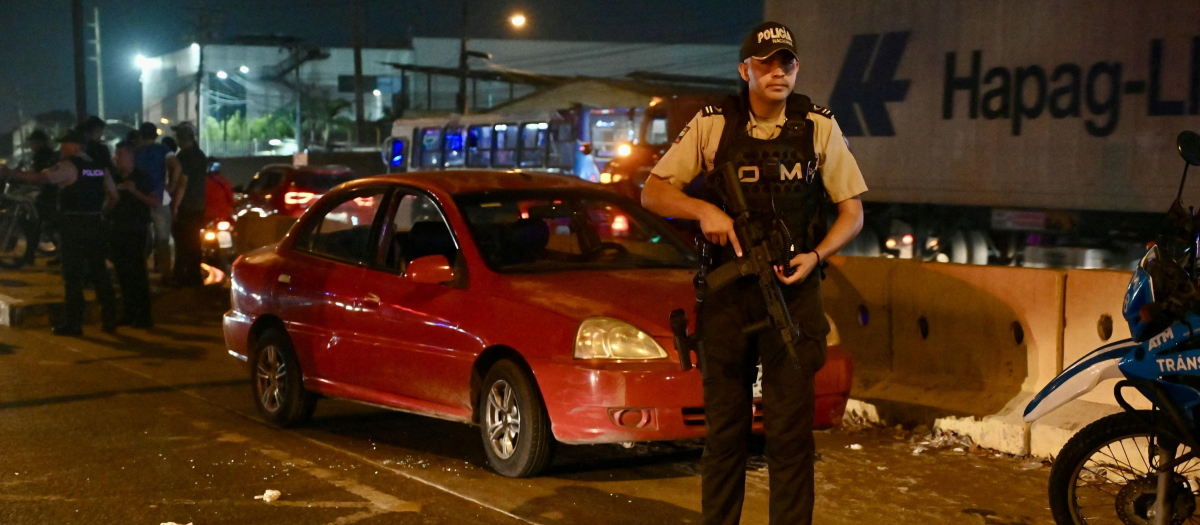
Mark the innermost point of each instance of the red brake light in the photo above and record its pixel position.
(620, 224)
(907, 239)
(365, 201)
(300, 198)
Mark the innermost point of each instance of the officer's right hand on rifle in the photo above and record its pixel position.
(716, 225)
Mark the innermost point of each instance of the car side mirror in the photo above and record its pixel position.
(585, 148)
(1189, 147)
(430, 269)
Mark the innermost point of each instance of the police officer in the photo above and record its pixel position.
(86, 189)
(792, 159)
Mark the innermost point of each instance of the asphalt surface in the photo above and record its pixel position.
(158, 426)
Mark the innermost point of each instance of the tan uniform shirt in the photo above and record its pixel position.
(696, 147)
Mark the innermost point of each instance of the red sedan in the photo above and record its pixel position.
(535, 306)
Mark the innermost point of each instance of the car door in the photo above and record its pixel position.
(406, 333)
(318, 283)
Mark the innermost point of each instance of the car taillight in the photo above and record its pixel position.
(223, 226)
(365, 201)
(620, 224)
(298, 198)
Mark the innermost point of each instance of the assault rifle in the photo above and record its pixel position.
(764, 246)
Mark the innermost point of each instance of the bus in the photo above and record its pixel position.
(574, 141)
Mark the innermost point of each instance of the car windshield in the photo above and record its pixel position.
(320, 182)
(533, 231)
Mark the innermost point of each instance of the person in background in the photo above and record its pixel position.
(46, 202)
(218, 195)
(128, 222)
(163, 169)
(86, 190)
(170, 143)
(188, 204)
(93, 130)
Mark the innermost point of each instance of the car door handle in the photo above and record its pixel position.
(370, 301)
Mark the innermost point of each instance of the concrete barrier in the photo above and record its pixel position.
(857, 293)
(1092, 318)
(983, 340)
(962, 346)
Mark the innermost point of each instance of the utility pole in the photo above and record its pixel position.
(357, 29)
(461, 99)
(99, 65)
(80, 76)
(299, 133)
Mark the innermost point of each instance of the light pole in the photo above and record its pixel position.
(517, 21)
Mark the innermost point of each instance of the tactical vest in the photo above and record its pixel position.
(780, 178)
(86, 194)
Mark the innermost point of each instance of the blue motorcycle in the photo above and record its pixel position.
(1140, 467)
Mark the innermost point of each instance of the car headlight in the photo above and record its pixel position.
(607, 338)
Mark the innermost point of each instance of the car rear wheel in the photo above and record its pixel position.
(276, 381)
(513, 422)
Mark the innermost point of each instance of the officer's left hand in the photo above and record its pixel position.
(804, 264)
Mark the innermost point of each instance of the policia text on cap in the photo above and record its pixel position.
(791, 159)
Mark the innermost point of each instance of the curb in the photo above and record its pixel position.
(1006, 431)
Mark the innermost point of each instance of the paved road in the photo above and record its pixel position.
(149, 427)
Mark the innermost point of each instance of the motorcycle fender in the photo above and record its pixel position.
(1079, 379)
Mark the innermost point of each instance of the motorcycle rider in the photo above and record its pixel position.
(86, 189)
(792, 159)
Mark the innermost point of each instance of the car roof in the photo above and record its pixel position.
(328, 169)
(458, 182)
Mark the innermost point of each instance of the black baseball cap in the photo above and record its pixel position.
(766, 39)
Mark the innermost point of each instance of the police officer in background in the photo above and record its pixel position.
(46, 201)
(86, 189)
(792, 159)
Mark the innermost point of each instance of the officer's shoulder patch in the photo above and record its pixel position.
(823, 111)
(709, 111)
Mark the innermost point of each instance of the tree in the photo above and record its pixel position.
(326, 116)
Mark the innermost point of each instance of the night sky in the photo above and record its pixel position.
(35, 44)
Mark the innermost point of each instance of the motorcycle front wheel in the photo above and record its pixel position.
(1108, 472)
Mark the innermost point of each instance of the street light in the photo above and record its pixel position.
(517, 20)
(222, 75)
(244, 69)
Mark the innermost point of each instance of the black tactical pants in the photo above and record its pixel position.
(129, 261)
(83, 253)
(729, 367)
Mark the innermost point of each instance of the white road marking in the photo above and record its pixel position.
(359, 457)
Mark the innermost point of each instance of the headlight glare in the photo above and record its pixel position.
(607, 338)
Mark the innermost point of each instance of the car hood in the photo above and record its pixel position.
(643, 298)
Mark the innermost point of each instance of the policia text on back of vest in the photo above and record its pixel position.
(765, 246)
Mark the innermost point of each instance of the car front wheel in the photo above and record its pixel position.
(513, 422)
(277, 382)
